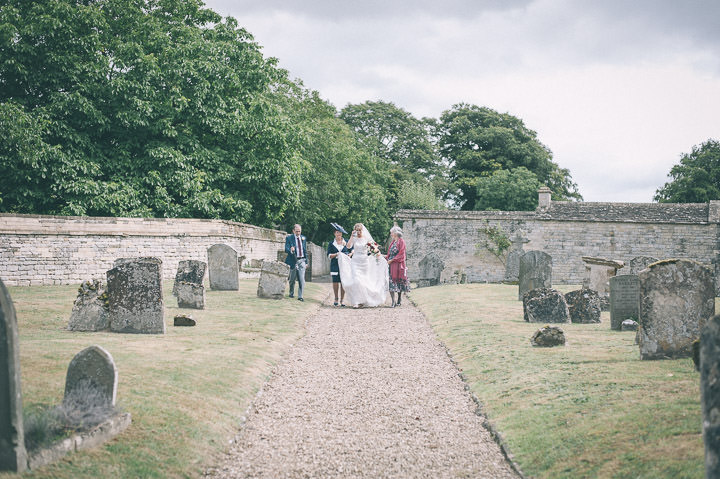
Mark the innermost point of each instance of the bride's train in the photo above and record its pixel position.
(364, 277)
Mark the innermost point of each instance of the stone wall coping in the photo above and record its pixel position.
(603, 262)
(21, 224)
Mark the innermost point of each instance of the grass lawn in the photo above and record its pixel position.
(589, 409)
(187, 390)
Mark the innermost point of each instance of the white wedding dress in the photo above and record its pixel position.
(364, 278)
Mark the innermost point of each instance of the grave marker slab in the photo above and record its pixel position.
(710, 394)
(624, 299)
(584, 306)
(677, 296)
(90, 310)
(598, 272)
(431, 266)
(223, 268)
(188, 287)
(535, 271)
(13, 456)
(545, 305)
(273, 279)
(92, 368)
(512, 263)
(135, 299)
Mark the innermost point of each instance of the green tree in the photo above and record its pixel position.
(509, 190)
(696, 179)
(143, 108)
(405, 142)
(418, 196)
(477, 141)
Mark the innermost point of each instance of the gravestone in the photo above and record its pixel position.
(309, 265)
(584, 306)
(535, 272)
(545, 305)
(710, 394)
(548, 337)
(188, 287)
(512, 263)
(598, 272)
(13, 456)
(184, 320)
(676, 298)
(639, 263)
(90, 310)
(624, 299)
(223, 268)
(273, 279)
(135, 301)
(716, 264)
(92, 369)
(431, 266)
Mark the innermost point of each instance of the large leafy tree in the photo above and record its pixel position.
(478, 141)
(510, 190)
(141, 108)
(696, 179)
(405, 142)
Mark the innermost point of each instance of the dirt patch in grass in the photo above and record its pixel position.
(187, 390)
(588, 409)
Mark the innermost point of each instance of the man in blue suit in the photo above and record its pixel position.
(296, 249)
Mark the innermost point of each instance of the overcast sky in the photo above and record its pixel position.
(617, 89)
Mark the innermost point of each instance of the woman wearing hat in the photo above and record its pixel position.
(334, 249)
(398, 270)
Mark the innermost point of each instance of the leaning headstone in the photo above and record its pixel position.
(273, 279)
(548, 337)
(639, 263)
(710, 394)
(223, 268)
(535, 271)
(545, 305)
(624, 299)
(431, 266)
(135, 300)
(677, 296)
(188, 287)
(92, 373)
(512, 263)
(598, 272)
(629, 325)
(90, 311)
(13, 456)
(584, 306)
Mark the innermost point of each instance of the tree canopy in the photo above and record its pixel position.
(696, 179)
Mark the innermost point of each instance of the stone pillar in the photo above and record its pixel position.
(544, 197)
(710, 394)
(13, 456)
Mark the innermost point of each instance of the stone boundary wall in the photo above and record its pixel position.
(42, 250)
(567, 232)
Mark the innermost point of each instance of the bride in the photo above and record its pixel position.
(364, 276)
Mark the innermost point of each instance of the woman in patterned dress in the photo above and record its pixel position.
(398, 270)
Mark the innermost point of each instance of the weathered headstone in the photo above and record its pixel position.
(584, 306)
(188, 287)
(716, 264)
(135, 300)
(183, 320)
(548, 337)
(512, 263)
(92, 369)
(710, 394)
(545, 305)
(624, 299)
(309, 266)
(676, 298)
(13, 456)
(223, 268)
(639, 263)
(598, 272)
(90, 311)
(431, 266)
(273, 279)
(535, 272)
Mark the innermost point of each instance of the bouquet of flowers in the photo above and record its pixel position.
(373, 249)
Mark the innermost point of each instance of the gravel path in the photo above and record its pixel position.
(365, 393)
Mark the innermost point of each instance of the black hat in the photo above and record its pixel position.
(339, 228)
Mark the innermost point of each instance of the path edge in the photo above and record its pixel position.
(487, 424)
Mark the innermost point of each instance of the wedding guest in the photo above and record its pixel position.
(398, 270)
(334, 249)
(296, 249)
